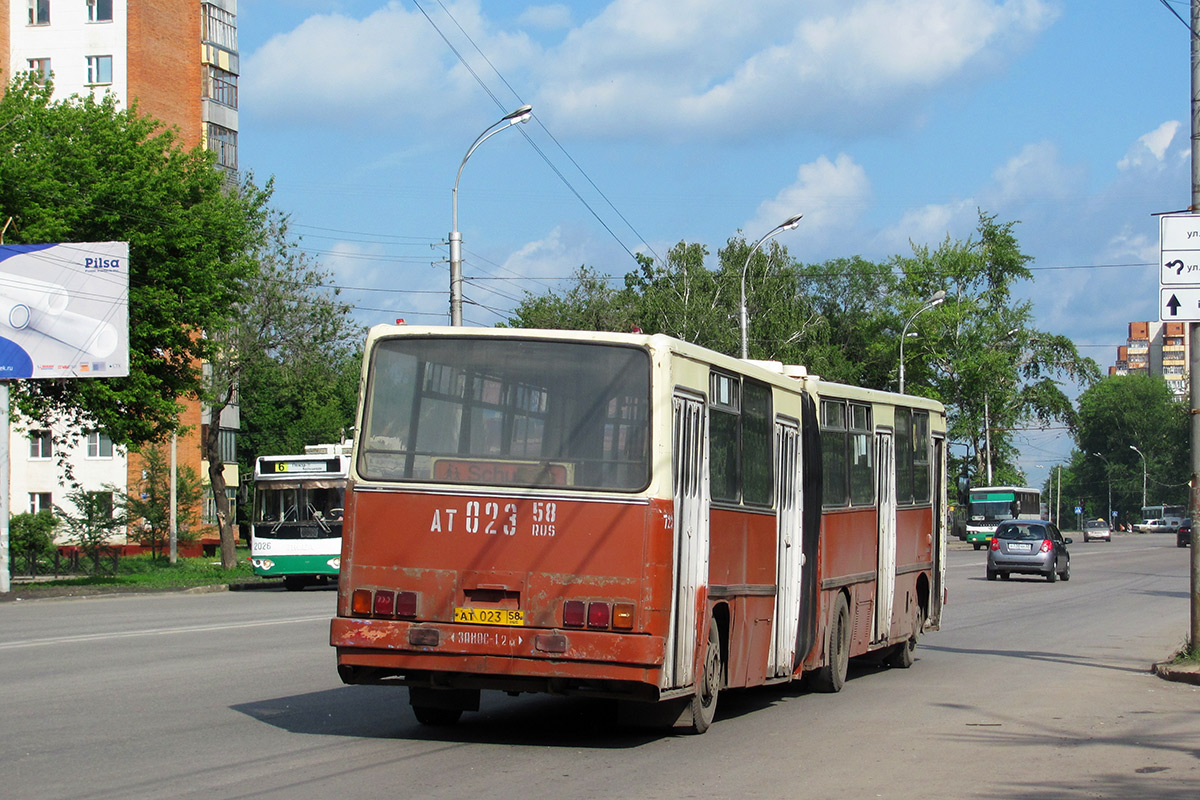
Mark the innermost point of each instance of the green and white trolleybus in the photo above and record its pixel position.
(988, 506)
(298, 505)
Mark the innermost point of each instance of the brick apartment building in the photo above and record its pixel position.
(178, 59)
(1156, 348)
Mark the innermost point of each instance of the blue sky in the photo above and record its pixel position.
(883, 121)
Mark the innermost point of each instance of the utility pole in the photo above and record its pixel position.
(1193, 333)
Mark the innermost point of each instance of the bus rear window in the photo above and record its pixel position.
(507, 412)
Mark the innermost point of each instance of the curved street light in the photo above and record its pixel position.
(1143, 455)
(522, 114)
(788, 224)
(1108, 471)
(935, 299)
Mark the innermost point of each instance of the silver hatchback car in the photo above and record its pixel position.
(1097, 529)
(1030, 547)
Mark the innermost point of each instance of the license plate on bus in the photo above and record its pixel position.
(490, 616)
(1020, 548)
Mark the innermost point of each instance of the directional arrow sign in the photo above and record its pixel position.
(1179, 267)
(1179, 304)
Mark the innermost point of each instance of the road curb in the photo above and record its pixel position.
(1180, 673)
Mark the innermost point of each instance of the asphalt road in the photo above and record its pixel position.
(1031, 690)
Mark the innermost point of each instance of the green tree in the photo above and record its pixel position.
(97, 519)
(290, 326)
(1126, 411)
(31, 536)
(590, 303)
(148, 504)
(83, 169)
(983, 358)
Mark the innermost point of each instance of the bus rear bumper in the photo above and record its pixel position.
(581, 662)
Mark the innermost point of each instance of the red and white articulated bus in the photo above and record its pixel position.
(630, 517)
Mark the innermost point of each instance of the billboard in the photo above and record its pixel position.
(64, 310)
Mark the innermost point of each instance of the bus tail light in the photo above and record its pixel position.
(406, 604)
(360, 603)
(574, 613)
(385, 604)
(1047, 545)
(598, 615)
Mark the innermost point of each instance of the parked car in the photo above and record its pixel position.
(1155, 526)
(1097, 529)
(1030, 547)
(1183, 537)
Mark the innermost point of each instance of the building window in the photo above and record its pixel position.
(209, 517)
(40, 67)
(40, 501)
(219, 27)
(100, 504)
(227, 444)
(99, 10)
(99, 445)
(39, 12)
(223, 142)
(41, 445)
(99, 70)
(220, 86)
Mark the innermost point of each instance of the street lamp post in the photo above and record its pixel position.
(787, 225)
(935, 299)
(522, 114)
(987, 413)
(1143, 455)
(1108, 472)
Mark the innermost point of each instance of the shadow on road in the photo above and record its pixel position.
(1034, 655)
(383, 712)
(1153, 735)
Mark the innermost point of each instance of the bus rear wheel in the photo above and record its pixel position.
(832, 676)
(903, 655)
(708, 687)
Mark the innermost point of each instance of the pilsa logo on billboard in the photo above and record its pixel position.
(96, 263)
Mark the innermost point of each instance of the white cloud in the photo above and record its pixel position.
(930, 225)
(388, 65)
(547, 17)
(712, 68)
(1036, 173)
(830, 194)
(674, 68)
(1150, 148)
(552, 255)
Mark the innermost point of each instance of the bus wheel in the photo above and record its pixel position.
(704, 701)
(903, 655)
(832, 676)
(294, 583)
(436, 717)
(977, 545)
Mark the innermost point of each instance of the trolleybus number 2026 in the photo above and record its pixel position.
(491, 518)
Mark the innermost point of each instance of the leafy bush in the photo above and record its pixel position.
(31, 539)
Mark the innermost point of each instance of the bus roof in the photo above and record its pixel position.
(774, 372)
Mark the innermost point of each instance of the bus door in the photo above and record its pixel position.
(885, 576)
(939, 531)
(789, 546)
(689, 458)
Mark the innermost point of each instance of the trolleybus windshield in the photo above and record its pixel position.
(507, 412)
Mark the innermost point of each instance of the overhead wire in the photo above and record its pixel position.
(536, 148)
(1186, 24)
